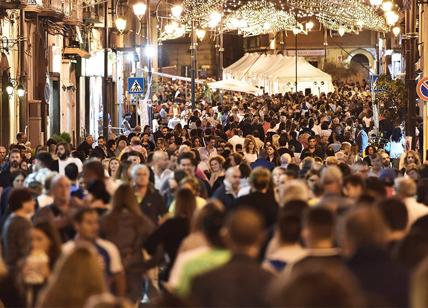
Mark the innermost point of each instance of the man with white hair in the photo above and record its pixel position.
(151, 202)
(227, 193)
(331, 181)
(405, 189)
(161, 171)
(60, 211)
(285, 160)
(293, 190)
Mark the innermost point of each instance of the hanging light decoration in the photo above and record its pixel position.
(391, 18)
(120, 24)
(200, 33)
(341, 31)
(251, 19)
(396, 31)
(376, 2)
(387, 6)
(197, 9)
(309, 25)
(176, 11)
(214, 19)
(353, 14)
(139, 9)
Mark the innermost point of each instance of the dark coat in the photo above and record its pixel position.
(228, 200)
(239, 283)
(385, 282)
(264, 204)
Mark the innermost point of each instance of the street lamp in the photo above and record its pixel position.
(214, 19)
(176, 11)
(391, 18)
(120, 23)
(150, 51)
(20, 91)
(139, 9)
(200, 33)
(9, 88)
(396, 31)
(387, 6)
(13, 84)
(309, 25)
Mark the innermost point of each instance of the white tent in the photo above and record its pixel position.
(308, 77)
(277, 74)
(235, 85)
(227, 71)
(239, 71)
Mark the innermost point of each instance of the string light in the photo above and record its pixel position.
(255, 17)
(353, 14)
(251, 19)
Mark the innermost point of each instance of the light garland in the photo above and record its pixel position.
(354, 15)
(259, 17)
(255, 17)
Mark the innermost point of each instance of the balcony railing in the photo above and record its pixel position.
(71, 9)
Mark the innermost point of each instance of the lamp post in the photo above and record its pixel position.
(193, 65)
(139, 9)
(105, 82)
(410, 52)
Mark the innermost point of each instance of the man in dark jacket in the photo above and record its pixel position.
(227, 193)
(13, 164)
(261, 197)
(365, 237)
(225, 286)
(86, 146)
(101, 148)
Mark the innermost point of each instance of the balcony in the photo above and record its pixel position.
(67, 11)
(12, 4)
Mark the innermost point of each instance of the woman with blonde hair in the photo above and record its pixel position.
(407, 158)
(77, 277)
(216, 164)
(250, 150)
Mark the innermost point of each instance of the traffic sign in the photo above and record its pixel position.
(422, 89)
(136, 85)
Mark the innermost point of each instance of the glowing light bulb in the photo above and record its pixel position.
(139, 9)
(200, 33)
(396, 30)
(215, 18)
(309, 25)
(176, 11)
(120, 23)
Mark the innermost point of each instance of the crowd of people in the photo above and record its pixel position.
(244, 201)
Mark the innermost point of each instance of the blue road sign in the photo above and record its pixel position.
(135, 85)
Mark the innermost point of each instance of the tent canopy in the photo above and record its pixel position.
(235, 85)
(277, 74)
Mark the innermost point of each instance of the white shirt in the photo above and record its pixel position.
(69, 160)
(162, 178)
(415, 209)
(107, 251)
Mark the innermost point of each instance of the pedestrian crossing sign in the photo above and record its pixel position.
(136, 85)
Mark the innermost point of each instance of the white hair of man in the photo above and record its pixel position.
(285, 159)
(294, 190)
(405, 187)
(136, 168)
